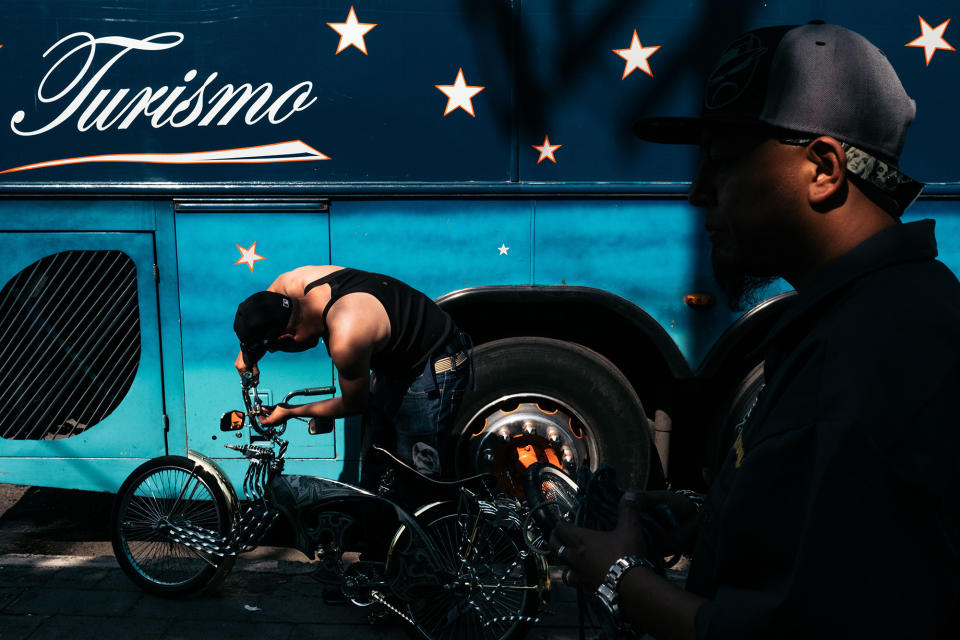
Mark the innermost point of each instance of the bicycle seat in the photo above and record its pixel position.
(441, 486)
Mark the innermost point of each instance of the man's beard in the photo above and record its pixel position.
(741, 289)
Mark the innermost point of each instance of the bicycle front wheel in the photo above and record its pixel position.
(160, 496)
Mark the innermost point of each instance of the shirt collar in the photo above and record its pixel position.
(901, 243)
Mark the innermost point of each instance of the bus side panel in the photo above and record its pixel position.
(436, 246)
(651, 252)
(83, 400)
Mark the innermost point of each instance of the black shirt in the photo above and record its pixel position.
(418, 327)
(836, 513)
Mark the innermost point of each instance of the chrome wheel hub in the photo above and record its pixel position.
(537, 427)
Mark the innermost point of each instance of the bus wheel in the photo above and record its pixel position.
(159, 496)
(545, 400)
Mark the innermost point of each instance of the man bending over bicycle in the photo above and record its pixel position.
(368, 322)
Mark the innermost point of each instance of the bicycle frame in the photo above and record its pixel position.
(327, 518)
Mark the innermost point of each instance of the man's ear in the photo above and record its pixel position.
(828, 187)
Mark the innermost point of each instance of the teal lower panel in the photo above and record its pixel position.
(88, 474)
(107, 474)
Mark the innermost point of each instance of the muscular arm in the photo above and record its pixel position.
(665, 611)
(354, 390)
(351, 348)
(354, 379)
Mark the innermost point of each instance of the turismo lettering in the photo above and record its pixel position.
(106, 108)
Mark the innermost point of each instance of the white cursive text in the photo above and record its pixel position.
(163, 106)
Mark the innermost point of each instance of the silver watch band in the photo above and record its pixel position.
(609, 590)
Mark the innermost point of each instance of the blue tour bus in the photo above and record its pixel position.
(159, 162)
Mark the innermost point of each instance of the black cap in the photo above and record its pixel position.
(260, 319)
(817, 79)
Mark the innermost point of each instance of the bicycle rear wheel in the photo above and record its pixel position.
(161, 494)
(494, 587)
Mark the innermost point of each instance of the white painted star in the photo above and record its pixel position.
(503, 249)
(931, 40)
(636, 57)
(459, 94)
(351, 32)
(546, 150)
(249, 256)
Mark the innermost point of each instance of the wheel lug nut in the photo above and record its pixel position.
(567, 455)
(529, 428)
(488, 455)
(503, 434)
(553, 436)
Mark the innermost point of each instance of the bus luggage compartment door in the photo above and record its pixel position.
(79, 356)
(225, 253)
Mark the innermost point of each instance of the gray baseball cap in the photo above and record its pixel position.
(814, 79)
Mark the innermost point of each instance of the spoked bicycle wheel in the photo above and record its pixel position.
(160, 495)
(493, 588)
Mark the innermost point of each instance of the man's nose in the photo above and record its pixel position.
(701, 192)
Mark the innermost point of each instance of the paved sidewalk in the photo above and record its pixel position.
(45, 597)
(59, 579)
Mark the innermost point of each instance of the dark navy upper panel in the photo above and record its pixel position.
(255, 92)
(573, 85)
(378, 116)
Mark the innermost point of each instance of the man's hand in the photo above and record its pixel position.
(242, 366)
(684, 512)
(589, 553)
(277, 416)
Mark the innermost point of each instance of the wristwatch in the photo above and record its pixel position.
(608, 593)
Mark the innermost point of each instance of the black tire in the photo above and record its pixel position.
(169, 489)
(579, 381)
(494, 555)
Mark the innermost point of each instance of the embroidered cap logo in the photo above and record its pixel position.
(734, 71)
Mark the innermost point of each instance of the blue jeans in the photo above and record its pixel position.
(413, 419)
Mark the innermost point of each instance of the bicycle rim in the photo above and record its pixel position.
(163, 497)
(494, 584)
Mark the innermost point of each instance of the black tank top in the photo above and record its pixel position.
(418, 327)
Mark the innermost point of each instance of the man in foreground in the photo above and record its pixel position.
(835, 513)
(367, 321)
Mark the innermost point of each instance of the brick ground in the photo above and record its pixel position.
(80, 598)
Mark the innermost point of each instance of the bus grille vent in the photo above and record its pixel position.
(70, 344)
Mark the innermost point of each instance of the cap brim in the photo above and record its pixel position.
(252, 353)
(670, 130)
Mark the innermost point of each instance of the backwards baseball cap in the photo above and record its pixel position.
(260, 319)
(814, 79)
